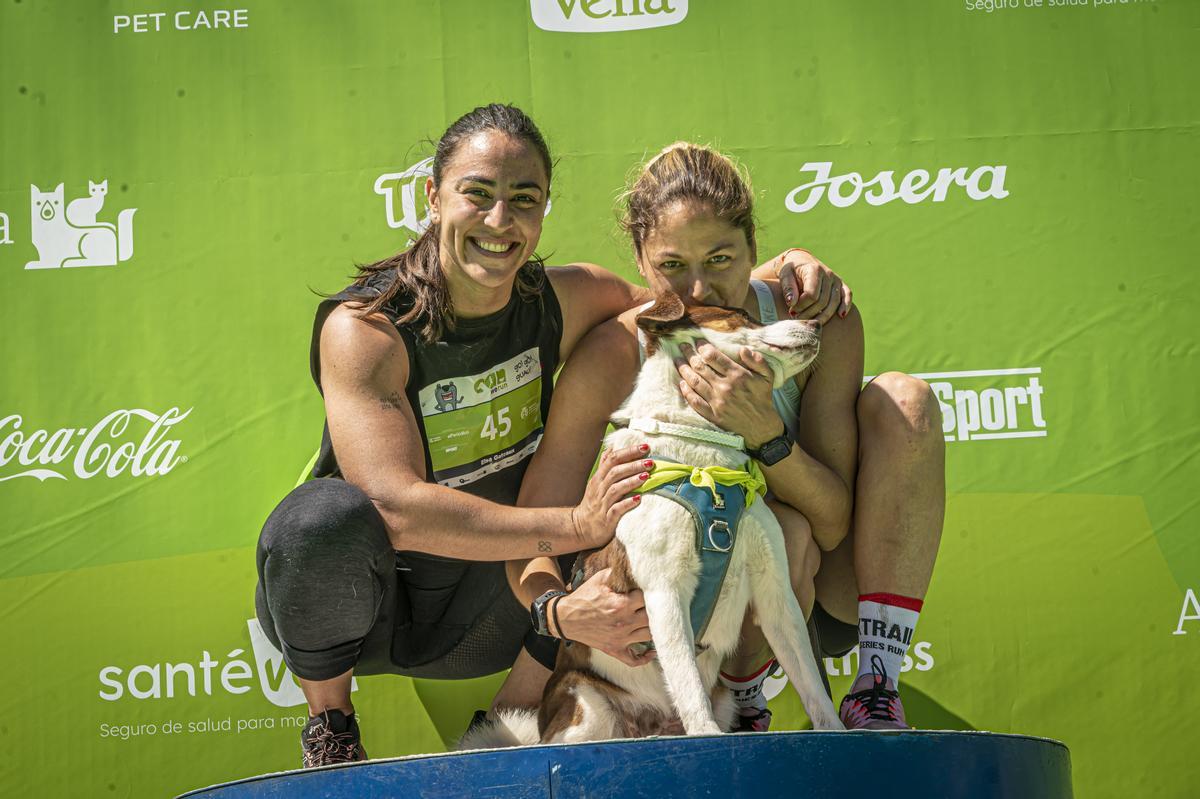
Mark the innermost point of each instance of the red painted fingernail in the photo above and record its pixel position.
(648, 464)
(792, 314)
(644, 447)
(637, 498)
(644, 475)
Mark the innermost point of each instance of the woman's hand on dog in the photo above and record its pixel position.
(597, 616)
(733, 396)
(810, 288)
(607, 496)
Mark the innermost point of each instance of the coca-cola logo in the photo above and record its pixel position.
(842, 191)
(113, 446)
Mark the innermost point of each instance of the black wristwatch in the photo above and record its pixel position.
(537, 612)
(773, 451)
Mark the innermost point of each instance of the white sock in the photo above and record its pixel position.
(885, 629)
(747, 691)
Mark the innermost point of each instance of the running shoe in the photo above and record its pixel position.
(871, 704)
(760, 721)
(331, 737)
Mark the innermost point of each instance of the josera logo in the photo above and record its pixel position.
(842, 191)
(605, 16)
(404, 197)
(233, 675)
(93, 451)
(987, 404)
(919, 658)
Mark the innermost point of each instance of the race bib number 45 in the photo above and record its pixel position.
(483, 423)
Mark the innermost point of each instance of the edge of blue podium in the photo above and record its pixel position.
(912, 763)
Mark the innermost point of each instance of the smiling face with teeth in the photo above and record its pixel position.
(489, 207)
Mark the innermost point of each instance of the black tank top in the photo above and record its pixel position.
(481, 394)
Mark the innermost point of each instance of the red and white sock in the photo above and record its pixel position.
(886, 623)
(747, 691)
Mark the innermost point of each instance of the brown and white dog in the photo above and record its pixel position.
(593, 696)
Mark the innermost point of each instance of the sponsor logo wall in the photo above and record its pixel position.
(1014, 230)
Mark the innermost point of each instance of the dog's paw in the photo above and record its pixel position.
(827, 721)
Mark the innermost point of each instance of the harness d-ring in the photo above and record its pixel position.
(723, 526)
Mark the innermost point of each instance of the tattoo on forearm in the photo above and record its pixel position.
(394, 401)
(544, 546)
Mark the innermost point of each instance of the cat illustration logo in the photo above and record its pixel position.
(447, 397)
(68, 234)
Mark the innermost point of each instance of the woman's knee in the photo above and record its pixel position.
(804, 556)
(896, 402)
(322, 521)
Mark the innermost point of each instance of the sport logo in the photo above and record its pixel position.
(990, 403)
(93, 450)
(981, 183)
(404, 200)
(69, 234)
(603, 16)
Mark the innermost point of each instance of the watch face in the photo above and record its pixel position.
(775, 450)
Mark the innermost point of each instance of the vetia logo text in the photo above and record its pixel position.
(605, 16)
(95, 450)
(69, 234)
(842, 191)
(234, 675)
(988, 404)
(404, 198)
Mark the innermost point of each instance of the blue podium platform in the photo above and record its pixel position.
(918, 764)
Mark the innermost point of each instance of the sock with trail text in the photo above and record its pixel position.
(885, 629)
(747, 691)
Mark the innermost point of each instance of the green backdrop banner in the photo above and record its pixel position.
(1008, 185)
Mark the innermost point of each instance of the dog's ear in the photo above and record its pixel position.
(666, 313)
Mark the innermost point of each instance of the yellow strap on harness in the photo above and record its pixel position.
(750, 478)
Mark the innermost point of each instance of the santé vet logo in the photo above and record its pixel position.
(603, 16)
(112, 446)
(232, 674)
(70, 233)
(842, 191)
(990, 403)
(404, 199)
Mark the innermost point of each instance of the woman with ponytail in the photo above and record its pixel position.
(856, 474)
(436, 369)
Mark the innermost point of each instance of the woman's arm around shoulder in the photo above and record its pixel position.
(590, 295)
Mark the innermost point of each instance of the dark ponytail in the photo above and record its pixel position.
(419, 278)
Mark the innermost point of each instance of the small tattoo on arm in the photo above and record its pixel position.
(544, 546)
(393, 401)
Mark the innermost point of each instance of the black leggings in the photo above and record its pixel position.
(333, 596)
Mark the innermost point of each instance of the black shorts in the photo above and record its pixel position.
(333, 596)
